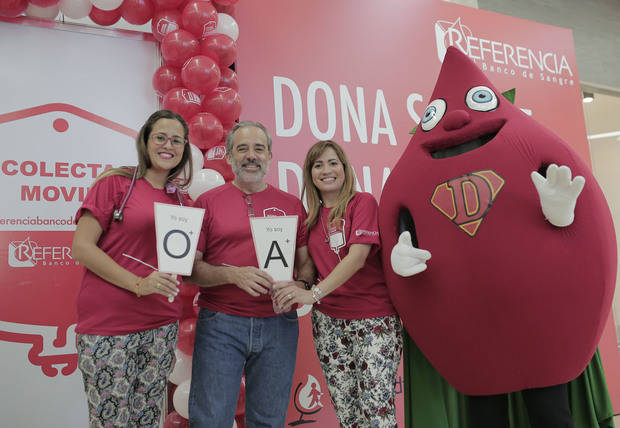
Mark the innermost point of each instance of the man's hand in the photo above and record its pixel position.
(406, 259)
(558, 194)
(252, 280)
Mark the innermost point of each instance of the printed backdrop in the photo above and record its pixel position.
(361, 75)
(65, 115)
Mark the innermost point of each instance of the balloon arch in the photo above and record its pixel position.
(197, 40)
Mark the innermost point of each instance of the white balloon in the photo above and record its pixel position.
(106, 4)
(182, 370)
(234, 424)
(76, 9)
(226, 24)
(42, 12)
(205, 179)
(197, 161)
(180, 399)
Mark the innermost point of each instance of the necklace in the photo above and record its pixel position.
(323, 225)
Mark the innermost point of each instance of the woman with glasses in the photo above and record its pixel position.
(127, 316)
(357, 333)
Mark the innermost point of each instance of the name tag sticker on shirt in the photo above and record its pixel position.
(177, 229)
(274, 243)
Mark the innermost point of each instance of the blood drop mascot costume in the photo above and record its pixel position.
(523, 249)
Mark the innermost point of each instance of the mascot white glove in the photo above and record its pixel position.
(558, 194)
(406, 259)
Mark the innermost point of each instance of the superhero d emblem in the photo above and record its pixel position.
(466, 200)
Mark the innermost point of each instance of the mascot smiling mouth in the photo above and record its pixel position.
(462, 148)
(463, 142)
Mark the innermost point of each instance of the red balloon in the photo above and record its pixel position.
(174, 420)
(229, 10)
(229, 79)
(223, 102)
(188, 306)
(178, 46)
(199, 18)
(164, 22)
(171, 388)
(187, 289)
(205, 129)
(182, 101)
(137, 12)
(201, 74)
(44, 3)
(13, 8)
(222, 45)
(165, 78)
(105, 17)
(227, 128)
(195, 305)
(215, 159)
(167, 4)
(211, 54)
(187, 331)
(240, 410)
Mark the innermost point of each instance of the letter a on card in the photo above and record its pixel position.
(274, 243)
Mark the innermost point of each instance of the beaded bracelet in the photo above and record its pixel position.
(317, 294)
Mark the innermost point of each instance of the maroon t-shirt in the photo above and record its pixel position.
(104, 308)
(365, 294)
(226, 239)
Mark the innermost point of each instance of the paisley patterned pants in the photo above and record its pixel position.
(360, 361)
(125, 376)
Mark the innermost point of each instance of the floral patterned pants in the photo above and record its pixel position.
(125, 376)
(360, 361)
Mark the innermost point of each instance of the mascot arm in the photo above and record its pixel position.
(406, 259)
(558, 194)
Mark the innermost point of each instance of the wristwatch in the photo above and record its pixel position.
(307, 285)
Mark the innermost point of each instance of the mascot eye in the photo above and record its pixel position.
(433, 114)
(481, 98)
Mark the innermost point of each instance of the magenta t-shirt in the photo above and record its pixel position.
(105, 308)
(226, 239)
(365, 294)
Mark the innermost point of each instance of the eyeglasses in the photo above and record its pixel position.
(248, 202)
(161, 139)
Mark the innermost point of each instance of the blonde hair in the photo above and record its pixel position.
(144, 161)
(313, 194)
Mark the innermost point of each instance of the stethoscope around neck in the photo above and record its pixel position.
(117, 216)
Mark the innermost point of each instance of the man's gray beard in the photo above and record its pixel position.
(249, 177)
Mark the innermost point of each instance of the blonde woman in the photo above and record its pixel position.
(357, 333)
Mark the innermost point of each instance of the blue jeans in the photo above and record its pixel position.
(225, 345)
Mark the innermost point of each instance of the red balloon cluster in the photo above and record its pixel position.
(196, 80)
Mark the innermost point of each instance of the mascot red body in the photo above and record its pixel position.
(509, 300)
